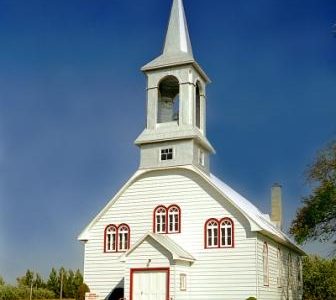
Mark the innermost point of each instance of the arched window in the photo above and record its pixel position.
(279, 266)
(168, 100)
(110, 238)
(173, 219)
(211, 234)
(160, 219)
(123, 237)
(226, 232)
(116, 238)
(265, 264)
(198, 106)
(167, 220)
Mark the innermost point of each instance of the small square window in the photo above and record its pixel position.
(183, 282)
(167, 154)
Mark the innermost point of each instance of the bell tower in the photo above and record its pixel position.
(175, 132)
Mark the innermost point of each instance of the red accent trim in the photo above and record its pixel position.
(179, 218)
(116, 229)
(128, 237)
(167, 218)
(132, 271)
(206, 233)
(117, 237)
(219, 237)
(232, 233)
(154, 217)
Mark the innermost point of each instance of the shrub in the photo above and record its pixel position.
(43, 294)
(8, 292)
(83, 288)
(251, 298)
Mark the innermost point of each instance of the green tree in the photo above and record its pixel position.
(319, 278)
(53, 283)
(26, 280)
(74, 280)
(39, 282)
(2, 282)
(316, 219)
(78, 280)
(69, 290)
(62, 279)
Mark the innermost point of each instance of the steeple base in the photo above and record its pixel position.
(174, 153)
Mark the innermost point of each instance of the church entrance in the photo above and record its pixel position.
(149, 284)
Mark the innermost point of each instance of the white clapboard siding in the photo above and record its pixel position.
(216, 274)
(288, 288)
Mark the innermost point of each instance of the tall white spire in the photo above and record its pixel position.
(177, 38)
(177, 46)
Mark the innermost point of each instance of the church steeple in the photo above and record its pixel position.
(177, 38)
(175, 133)
(177, 47)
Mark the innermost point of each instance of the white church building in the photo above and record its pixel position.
(175, 231)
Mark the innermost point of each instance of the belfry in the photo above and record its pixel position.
(176, 103)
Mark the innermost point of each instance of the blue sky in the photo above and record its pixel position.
(72, 101)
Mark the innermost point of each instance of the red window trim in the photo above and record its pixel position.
(167, 218)
(232, 233)
(179, 219)
(117, 237)
(206, 233)
(128, 237)
(154, 217)
(134, 270)
(219, 221)
(105, 236)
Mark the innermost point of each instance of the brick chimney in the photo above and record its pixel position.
(276, 216)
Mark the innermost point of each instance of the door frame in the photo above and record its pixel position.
(141, 270)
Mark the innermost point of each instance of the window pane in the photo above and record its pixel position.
(176, 222)
(120, 241)
(163, 223)
(209, 237)
(113, 241)
(108, 242)
(126, 241)
(158, 224)
(229, 238)
(166, 154)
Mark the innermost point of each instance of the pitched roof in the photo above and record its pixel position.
(177, 252)
(251, 211)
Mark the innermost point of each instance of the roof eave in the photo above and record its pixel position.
(164, 65)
